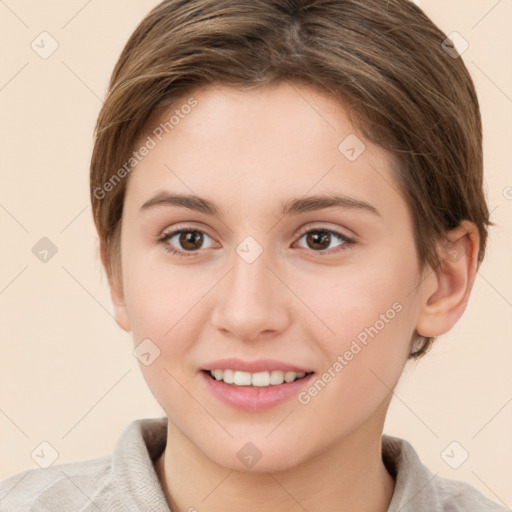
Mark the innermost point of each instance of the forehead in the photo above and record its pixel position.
(248, 148)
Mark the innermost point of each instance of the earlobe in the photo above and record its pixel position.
(445, 292)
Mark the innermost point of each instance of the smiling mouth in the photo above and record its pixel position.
(258, 379)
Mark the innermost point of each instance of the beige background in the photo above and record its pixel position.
(67, 373)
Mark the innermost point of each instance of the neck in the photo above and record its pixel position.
(345, 477)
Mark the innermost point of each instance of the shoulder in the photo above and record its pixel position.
(418, 489)
(60, 487)
(120, 482)
(459, 496)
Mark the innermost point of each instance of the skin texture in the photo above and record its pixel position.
(249, 152)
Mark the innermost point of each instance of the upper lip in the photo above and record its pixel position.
(258, 365)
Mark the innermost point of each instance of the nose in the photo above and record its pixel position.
(252, 302)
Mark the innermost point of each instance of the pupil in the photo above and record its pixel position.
(318, 238)
(190, 240)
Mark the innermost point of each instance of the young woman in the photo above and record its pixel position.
(288, 196)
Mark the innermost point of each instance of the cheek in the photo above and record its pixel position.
(363, 363)
(163, 307)
(161, 298)
(361, 301)
(371, 314)
(166, 305)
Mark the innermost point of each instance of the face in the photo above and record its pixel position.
(292, 256)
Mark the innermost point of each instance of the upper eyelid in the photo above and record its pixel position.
(185, 228)
(301, 231)
(322, 227)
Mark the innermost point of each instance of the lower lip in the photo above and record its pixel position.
(254, 399)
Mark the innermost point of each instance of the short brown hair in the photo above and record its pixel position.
(383, 59)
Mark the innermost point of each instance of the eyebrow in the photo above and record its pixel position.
(290, 207)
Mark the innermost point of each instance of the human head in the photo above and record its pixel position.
(240, 88)
(382, 60)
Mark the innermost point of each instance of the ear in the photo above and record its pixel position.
(116, 289)
(445, 292)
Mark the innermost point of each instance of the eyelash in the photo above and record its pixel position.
(345, 245)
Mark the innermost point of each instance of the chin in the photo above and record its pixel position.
(261, 455)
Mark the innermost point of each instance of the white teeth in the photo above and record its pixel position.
(227, 376)
(242, 379)
(289, 376)
(259, 379)
(276, 377)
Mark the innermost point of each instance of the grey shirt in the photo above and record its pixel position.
(126, 480)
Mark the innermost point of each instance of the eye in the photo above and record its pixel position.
(322, 240)
(189, 241)
(185, 241)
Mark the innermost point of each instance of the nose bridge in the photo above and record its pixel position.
(249, 285)
(250, 278)
(250, 301)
